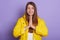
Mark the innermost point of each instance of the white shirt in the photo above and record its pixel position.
(30, 36)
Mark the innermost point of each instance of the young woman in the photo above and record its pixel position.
(30, 26)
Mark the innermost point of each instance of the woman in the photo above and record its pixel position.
(30, 26)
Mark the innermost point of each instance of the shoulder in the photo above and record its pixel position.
(20, 19)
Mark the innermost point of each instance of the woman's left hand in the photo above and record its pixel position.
(32, 26)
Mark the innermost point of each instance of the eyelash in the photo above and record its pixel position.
(29, 8)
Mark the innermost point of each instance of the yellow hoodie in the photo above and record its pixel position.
(41, 29)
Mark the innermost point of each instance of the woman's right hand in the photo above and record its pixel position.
(27, 27)
(29, 24)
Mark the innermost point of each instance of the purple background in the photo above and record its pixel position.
(11, 10)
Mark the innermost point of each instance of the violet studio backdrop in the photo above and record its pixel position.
(11, 10)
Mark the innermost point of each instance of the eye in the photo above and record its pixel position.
(28, 8)
(32, 7)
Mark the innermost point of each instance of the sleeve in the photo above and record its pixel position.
(41, 28)
(17, 29)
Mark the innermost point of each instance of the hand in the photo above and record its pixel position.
(32, 26)
(30, 20)
(27, 27)
(30, 23)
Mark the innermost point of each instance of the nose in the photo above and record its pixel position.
(30, 9)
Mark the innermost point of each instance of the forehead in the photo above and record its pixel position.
(30, 5)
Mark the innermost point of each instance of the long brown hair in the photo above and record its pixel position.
(34, 19)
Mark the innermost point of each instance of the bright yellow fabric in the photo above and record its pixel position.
(41, 29)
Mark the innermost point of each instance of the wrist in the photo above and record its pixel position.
(34, 27)
(26, 27)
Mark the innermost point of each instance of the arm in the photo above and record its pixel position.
(41, 28)
(17, 29)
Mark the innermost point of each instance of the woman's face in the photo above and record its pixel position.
(30, 10)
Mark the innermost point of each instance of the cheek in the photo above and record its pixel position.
(33, 10)
(27, 10)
